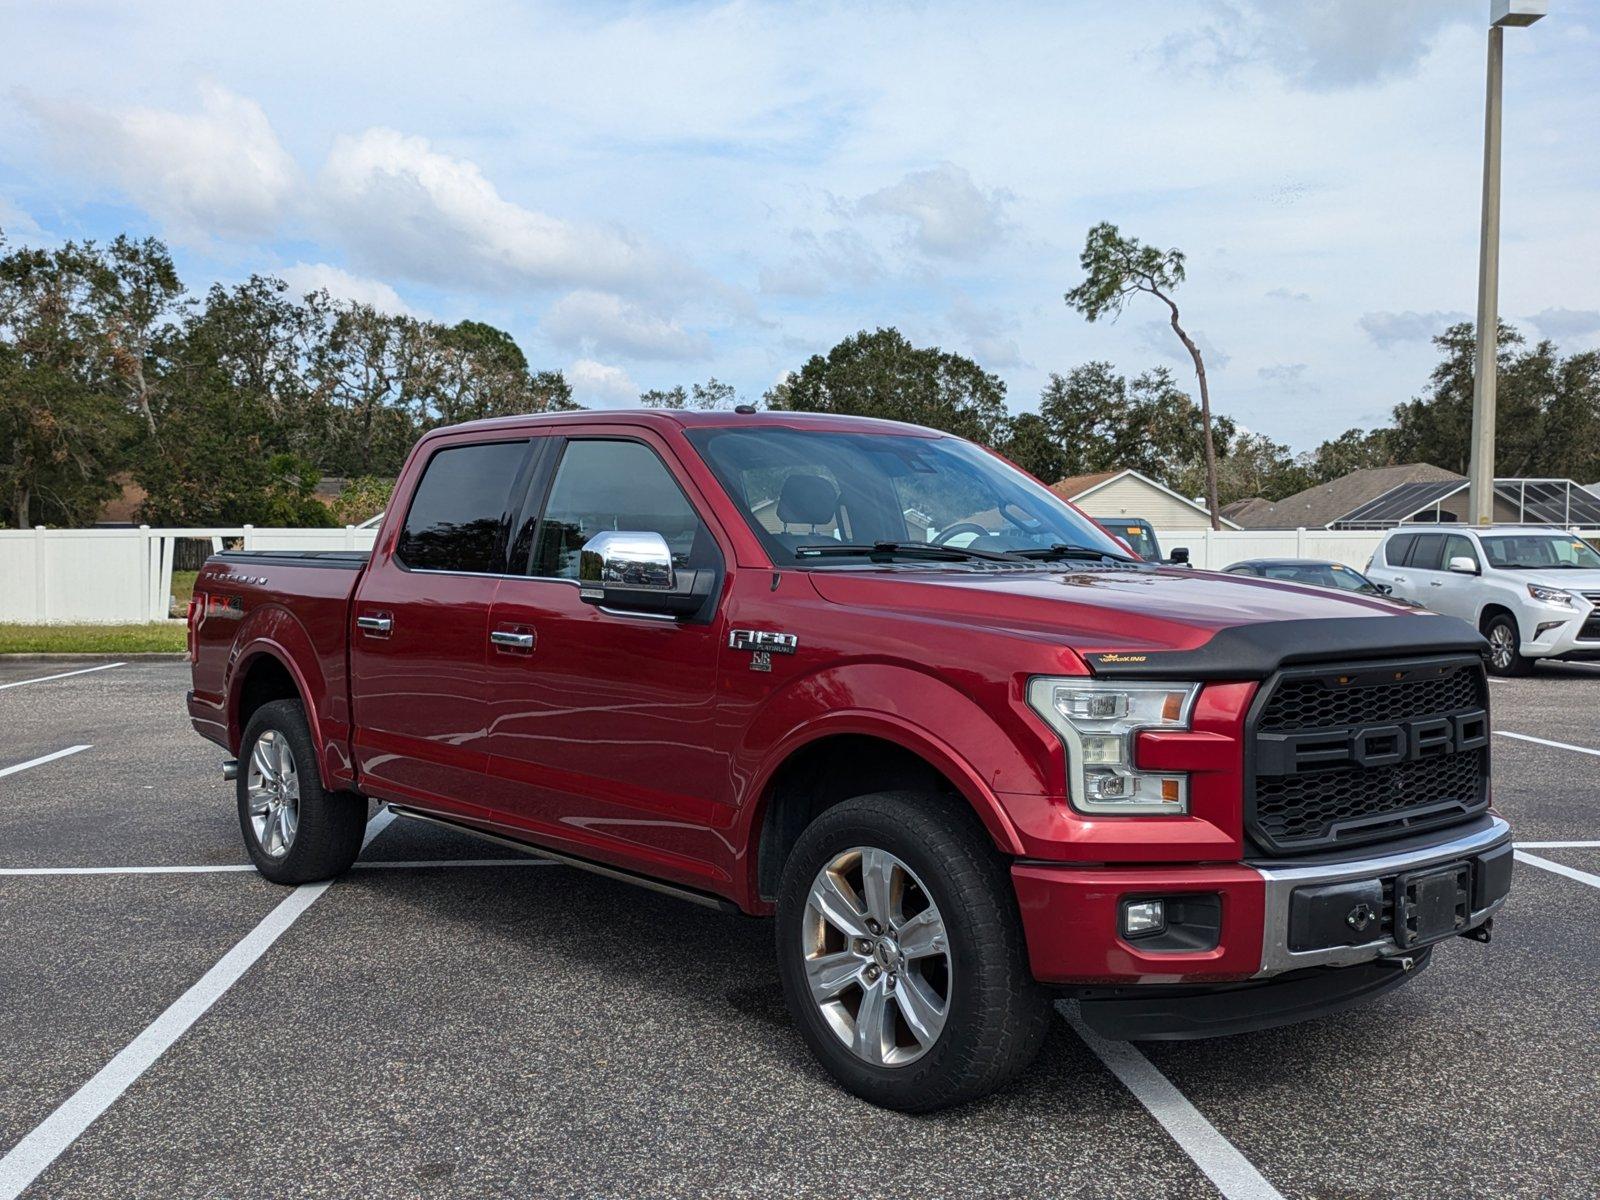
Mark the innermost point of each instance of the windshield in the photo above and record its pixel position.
(1138, 535)
(1328, 575)
(1540, 552)
(808, 488)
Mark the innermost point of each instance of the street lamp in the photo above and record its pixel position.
(1480, 489)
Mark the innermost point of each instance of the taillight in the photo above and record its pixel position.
(196, 613)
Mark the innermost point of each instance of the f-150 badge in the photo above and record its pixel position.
(763, 644)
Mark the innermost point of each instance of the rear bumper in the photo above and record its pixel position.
(1272, 919)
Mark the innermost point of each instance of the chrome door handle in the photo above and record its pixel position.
(1434, 583)
(375, 624)
(517, 641)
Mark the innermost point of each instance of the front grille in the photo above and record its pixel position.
(1358, 754)
(1591, 627)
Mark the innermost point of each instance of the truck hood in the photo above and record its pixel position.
(1167, 617)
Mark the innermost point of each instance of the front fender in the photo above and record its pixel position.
(912, 709)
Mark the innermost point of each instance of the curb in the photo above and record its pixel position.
(124, 655)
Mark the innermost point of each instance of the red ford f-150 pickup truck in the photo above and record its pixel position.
(875, 682)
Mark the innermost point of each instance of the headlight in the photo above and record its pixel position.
(1097, 720)
(1550, 595)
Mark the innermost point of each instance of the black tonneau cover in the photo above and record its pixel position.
(338, 560)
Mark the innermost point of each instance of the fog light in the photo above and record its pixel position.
(1141, 917)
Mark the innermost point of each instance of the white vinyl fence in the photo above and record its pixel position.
(117, 576)
(1213, 550)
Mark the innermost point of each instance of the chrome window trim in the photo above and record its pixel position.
(1280, 882)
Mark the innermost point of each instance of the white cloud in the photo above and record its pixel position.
(822, 262)
(601, 323)
(601, 385)
(218, 172)
(949, 216)
(1321, 46)
(1561, 323)
(405, 208)
(1387, 329)
(341, 285)
(1158, 336)
(987, 332)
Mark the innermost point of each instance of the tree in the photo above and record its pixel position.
(1118, 268)
(1352, 450)
(1104, 421)
(1547, 419)
(63, 424)
(361, 499)
(1031, 444)
(1255, 465)
(709, 396)
(881, 374)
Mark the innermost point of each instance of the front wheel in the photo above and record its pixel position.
(901, 953)
(1505, 649)
(295, 831)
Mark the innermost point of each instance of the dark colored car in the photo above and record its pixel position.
(1317, 572)
(1141, 537)
(740, 659)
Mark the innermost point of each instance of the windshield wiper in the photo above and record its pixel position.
(1061, 550)
(882, 551)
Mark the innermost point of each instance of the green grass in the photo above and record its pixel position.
(182, 589)
(91, 639)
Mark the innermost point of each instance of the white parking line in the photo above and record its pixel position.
(62, 675)
(204, 869)
(1558, 845)
(1533, 860)
(1214, 1154)
(40, 761)
(1528, 737)
(27, 1160)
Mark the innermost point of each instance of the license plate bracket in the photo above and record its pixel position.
(1432, 904)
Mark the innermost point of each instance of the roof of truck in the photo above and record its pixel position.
(683, 419)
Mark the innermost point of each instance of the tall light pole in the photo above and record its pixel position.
(1480, 489)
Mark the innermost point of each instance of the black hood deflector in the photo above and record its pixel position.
(1255, 651)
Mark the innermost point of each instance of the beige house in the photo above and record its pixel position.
(1128, 495)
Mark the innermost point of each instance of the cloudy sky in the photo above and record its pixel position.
(649, 194)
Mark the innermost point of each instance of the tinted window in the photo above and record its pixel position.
(1138, 535)
(1395, 552)
(1428, 553)
(458, 517)
(616, 485)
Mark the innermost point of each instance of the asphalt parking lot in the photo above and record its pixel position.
(439, 1023)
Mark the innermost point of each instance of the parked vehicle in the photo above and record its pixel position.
(1141, 538)
(1534, 591)
(709, 653)
(1316, 572)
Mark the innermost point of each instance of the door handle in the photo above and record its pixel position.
(379, 626)
(511, 639)
(1434, 583)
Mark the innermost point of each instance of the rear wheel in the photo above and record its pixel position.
(295, 831)
(1505, 649)
(902, 956)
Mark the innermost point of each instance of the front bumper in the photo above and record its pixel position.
(1557, 631)
(1071, 915)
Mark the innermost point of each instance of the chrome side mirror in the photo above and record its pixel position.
(1462, 565)
(632, 560)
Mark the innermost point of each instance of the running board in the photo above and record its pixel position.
(705, 899)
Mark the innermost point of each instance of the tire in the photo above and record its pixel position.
(301, 833)
(1505, 654)
(939, 860)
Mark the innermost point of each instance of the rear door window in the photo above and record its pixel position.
(1394, 552)
(460, 513)
(1460, 546)
(1427, 554)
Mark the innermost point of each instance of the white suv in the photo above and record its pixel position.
(1532, 590)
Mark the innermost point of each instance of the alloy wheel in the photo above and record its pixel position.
(273, 787)
(1500, 647)
(877, 957)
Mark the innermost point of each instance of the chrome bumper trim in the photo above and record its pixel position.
(1280, 882)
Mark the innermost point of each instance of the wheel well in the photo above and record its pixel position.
(827, 772)
(1490, 612)
(265, 680)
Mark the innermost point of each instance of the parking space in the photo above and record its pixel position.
(438, 1025)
